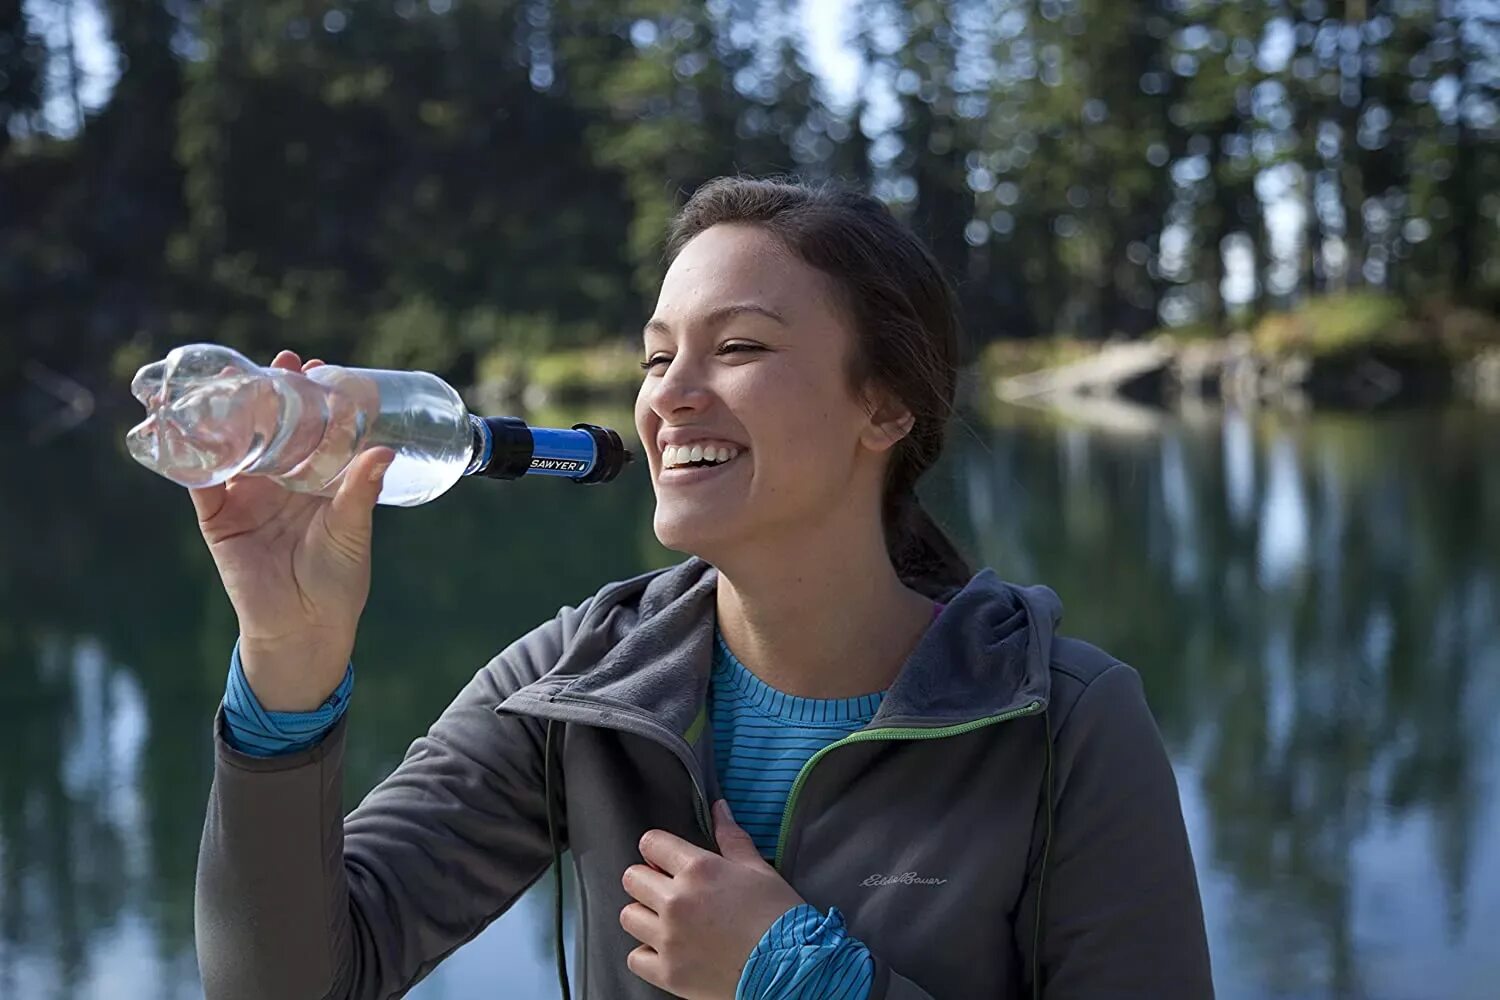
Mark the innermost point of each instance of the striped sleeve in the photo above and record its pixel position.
(807, 956)
(252, 730)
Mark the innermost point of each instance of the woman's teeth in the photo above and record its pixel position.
(673, 456)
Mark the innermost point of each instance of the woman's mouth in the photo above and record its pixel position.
(691, 464)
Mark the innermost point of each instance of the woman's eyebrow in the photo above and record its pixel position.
(720, 316)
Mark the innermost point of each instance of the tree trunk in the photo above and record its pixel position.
(1351, 173)
(1464, 205)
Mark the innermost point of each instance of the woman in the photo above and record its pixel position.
(937, 795)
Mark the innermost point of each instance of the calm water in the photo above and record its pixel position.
(1314, 604)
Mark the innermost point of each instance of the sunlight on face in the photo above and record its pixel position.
(749, 352)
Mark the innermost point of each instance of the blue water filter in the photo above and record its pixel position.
(557, 452)
(507, 448)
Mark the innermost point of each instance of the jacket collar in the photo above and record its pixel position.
(987, 654)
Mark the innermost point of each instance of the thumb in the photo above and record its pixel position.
(734, 843)
(351, 512)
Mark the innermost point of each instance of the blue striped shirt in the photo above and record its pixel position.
(762, 739)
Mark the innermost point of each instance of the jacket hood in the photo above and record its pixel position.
(645, 646)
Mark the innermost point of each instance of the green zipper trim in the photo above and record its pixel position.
(695, 729)
(894, 733)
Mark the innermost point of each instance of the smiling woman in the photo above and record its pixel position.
(820, 757)
(831, 332)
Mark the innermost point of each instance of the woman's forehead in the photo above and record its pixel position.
(727, 266)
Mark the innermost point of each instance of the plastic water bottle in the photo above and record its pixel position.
(214, 414)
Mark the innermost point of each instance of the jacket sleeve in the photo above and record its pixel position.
(294, 902)
(891, 986)
(1121, 915)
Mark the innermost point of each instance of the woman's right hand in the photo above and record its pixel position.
(296, 568)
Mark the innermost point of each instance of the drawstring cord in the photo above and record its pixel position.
(1041, 878)
(557, 885)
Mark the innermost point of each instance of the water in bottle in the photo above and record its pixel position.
(214, 414)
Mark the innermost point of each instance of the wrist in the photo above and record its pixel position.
(293, 675)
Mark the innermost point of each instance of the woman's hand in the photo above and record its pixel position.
(699, 914)
(296, 567)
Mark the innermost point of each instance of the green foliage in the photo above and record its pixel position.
(1334, 324)
(449, 185)
(416, 335)
(606, 369)
(1340, 324)
(1188, 333)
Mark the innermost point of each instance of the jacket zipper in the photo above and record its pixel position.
(893, 733)
(648, 728)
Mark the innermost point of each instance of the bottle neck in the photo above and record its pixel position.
(481, 448)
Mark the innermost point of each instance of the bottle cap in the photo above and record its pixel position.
(610, 452)
(510, 448)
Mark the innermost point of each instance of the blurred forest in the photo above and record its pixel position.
(419, 184)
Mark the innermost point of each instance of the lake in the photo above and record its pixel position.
(1312, 600)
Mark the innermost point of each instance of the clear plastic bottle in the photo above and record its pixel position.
(214, 414)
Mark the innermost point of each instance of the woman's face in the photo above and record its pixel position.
(747, 351)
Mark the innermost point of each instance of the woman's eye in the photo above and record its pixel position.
(652, 362)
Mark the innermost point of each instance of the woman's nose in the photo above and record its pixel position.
(680, 388)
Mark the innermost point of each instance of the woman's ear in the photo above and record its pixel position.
(889, 422)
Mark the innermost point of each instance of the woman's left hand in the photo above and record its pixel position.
(700, 914)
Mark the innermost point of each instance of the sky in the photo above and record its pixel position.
(98, 60)
(824, 25)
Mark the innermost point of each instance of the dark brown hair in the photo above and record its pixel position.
(905, 319)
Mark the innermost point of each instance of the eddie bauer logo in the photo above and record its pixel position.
(905, 878)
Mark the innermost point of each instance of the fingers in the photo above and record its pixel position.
(292, 362)
(207, 500)
(647, 885)
(646, 962)
(352, 512)
(642, 924)
(668, 852)
(734, 842)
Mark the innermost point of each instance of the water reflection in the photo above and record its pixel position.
(1313, 606)
(1312, 603)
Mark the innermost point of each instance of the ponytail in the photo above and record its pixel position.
(925, 558)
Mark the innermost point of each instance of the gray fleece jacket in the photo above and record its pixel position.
(1006, 826)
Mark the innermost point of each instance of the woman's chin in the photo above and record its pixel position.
(696, 533)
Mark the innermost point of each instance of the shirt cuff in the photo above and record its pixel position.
(807, 956)
(252, 730)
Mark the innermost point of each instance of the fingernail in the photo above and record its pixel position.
(379, 471)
